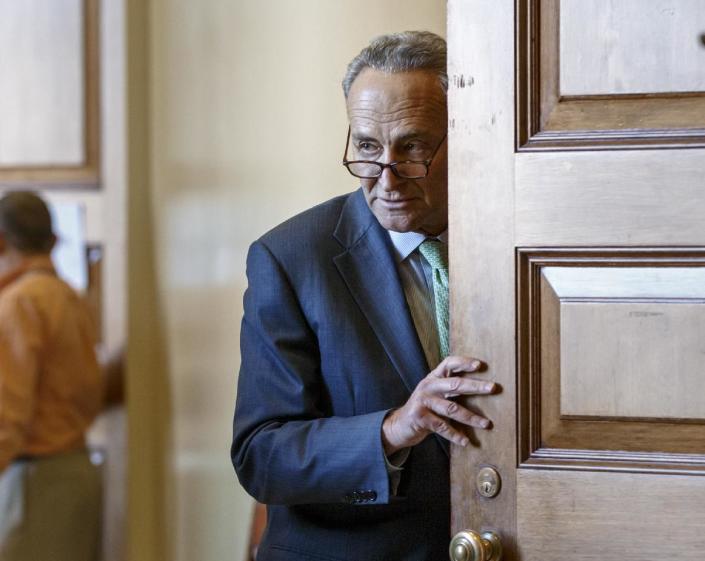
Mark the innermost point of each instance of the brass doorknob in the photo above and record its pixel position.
(471, 546)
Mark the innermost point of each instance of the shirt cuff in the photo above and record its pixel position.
(395, 465)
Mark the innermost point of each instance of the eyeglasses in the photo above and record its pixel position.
(409, 169)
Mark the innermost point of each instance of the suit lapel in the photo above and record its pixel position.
(369, 270)
(367, 265)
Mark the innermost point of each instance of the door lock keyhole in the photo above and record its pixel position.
(488, 482)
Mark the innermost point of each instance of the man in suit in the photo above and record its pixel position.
(345, 399)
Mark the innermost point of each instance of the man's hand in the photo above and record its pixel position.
(429, 408)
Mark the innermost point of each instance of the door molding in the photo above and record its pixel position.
(548, 436)
(547, 120)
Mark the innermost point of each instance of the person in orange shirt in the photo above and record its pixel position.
(51, 389)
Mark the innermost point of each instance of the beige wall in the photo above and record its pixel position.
(245, 125)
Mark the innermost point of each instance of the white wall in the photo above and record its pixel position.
(247, 127)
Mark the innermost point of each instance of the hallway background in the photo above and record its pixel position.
(236, 121)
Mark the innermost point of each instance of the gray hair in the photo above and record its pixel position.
(401, 52)
(25, 222)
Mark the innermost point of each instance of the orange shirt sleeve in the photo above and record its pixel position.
(20, 344)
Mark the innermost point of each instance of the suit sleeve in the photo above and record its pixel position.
(287, 449)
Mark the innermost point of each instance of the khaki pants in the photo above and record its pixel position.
(50, 509)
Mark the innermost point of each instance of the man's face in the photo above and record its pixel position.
(394, 118)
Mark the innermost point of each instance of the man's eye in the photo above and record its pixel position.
(414, 147)
(366, 147)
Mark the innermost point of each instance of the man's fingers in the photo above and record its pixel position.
(454, 365)
(430, 410)
(459, 385)
(452, 410)
(446, 430)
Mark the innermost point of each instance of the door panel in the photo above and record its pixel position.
(610, 358)
(576, 516)
(659, 51)
(601, 73)
(621, 197)
(626, 346)
(579, 278)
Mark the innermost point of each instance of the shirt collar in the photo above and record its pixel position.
(406, 243)
(31, 263)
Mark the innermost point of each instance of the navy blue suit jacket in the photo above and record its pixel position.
(328, 348)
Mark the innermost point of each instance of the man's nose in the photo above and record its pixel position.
(388, 180)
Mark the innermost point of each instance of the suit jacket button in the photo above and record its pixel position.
(371, 496)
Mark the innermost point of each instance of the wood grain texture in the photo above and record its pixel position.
(598, 208)
(634, 279)
(656, 51)
(617, 351)
(648, 198)
(596, 516)
(550, 117)
(481, 153)
(549, 59)
(620, 359)
(548, 281)
(639, 117)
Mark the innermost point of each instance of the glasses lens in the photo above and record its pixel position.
(364, 169)
(411, 170)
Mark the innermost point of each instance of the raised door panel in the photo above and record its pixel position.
(572, 516)
(608, 73)
(611, 347)
(661, 50)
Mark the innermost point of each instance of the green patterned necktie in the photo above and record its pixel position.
(436, 254)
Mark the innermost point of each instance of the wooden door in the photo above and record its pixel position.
(577, 223)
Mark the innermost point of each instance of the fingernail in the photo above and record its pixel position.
(475, 364)
(489, 388)
(464, 442)
(486, 424)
